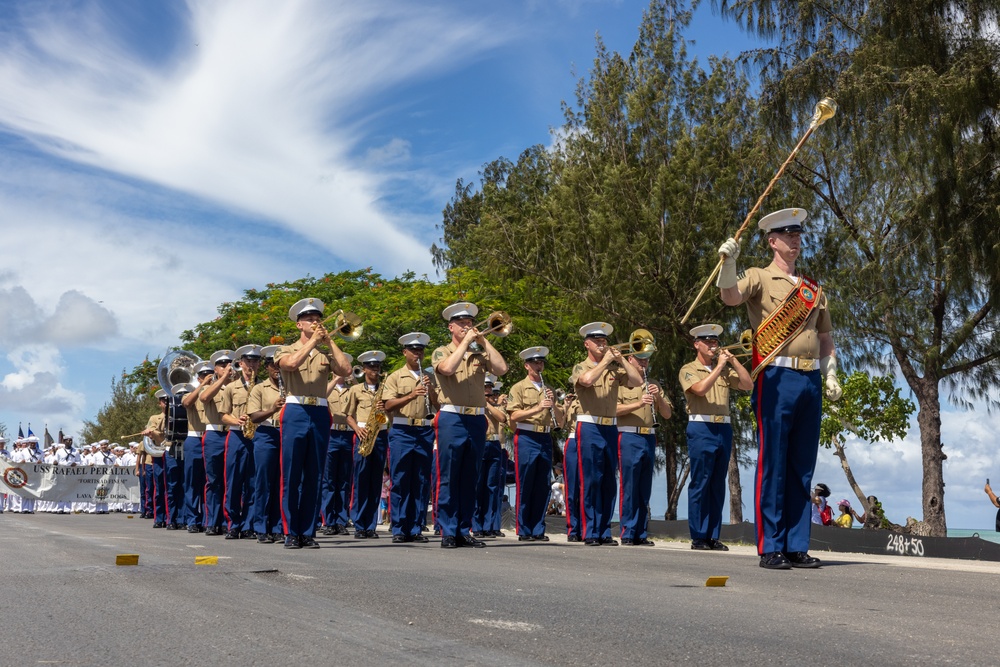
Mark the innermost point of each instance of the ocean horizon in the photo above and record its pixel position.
(990, 535)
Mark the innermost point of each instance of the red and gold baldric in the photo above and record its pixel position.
(782, 325)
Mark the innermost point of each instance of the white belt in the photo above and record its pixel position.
(382, 428)
(796, 363)
(712, 419)
(463, 410)
(641, 430)
(215, 427)
(600, 421)
(305, 400)
(406, 421)
(534, 428)
(339, 427)
(194, 434)
(269, 423)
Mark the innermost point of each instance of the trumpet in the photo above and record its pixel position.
(640, 341)
(745, 346)
(560, 395)
(498, 323)
(345, 325)
(358, 373)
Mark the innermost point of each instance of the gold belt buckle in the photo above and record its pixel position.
(806, 364)
(539, 429)
(417, 422)
(604, 421)
(468, 411)
(645, 430)
(309, 400)
(718, 419)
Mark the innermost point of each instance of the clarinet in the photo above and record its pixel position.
(645, 390)
(428, 413)
(552, 408)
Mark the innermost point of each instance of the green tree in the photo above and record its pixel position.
(908, 219)
(127, 411)
(870, 409)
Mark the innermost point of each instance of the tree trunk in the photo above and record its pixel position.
(842, 455)
(735, 490)
(675, 494)
(929, 421)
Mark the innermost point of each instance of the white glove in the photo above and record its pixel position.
(828, 365)
(728, 251)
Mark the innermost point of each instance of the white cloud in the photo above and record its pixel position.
(33, 387)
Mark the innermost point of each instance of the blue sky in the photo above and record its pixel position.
(158, 158)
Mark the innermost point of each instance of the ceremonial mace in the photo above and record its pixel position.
(824, 111)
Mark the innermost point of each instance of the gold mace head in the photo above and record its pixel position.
(824, 111)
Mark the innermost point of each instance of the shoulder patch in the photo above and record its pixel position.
(741, 275)
(688, 375)
(439, 354)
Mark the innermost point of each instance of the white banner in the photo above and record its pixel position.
(95, 484)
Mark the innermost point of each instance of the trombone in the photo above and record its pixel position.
(745, 346)
(345, 325)
(498, 323)
(640, 341)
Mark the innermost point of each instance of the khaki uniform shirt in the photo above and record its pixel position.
(360, 402)
(400, 383)
(312, 376)
(263, 396)
(493, 427)
(572, 410)
(525, 395)
(466, 386)
(337, 400)
(716, 400)
(196, 416)
(764, 290)
(237, 395)
(601, 399)
(215, 408)
(157, 422)
(644, 415)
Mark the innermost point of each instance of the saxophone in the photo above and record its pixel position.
(249, 428)
(374, 423)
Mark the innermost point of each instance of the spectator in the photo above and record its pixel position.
(846, 518)
(821, 511)
(996, 503)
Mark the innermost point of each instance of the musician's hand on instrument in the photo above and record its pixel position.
(648, 399)
(615, 354)
(653, 390)
(730, 250)
(725, 356)
(832, 388)
(502, 399)
(280, 403)
(243, 419)
(361, 432)
(419, 390)
(547, 403)
(380, 405)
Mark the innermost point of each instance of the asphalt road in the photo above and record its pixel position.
(363, 602)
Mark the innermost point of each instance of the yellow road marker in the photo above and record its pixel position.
(716, 581)
(206, 560)
(127, 559)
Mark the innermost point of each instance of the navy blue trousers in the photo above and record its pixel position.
(194, 481)
(146, 488)
(788, 405)
(533, 470)
(597, 453)
(709, 448)
(239, 481)
(366, 490)
(637, 453)
(571, 485)
(335, 506)
(159, 490)
(489, 488)
(266, 510)
(173, 474)
(305, 434)
(461, 441)
(409, 469)
(213, 449)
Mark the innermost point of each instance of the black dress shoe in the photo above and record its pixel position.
(716, 545)
(448, 543)
(398, 539)
(498, 533)
(233, 535)
(264, 539)
(371, 534)
(192, 529)
(470, 541)
(329, 530)
(573, 538)
(308, 543)
(524, 538)
(609, 541)
(172, 526)
(802, 559)
(159, 524)
(480, 534)
(421, 538)
(437, 532)
(701, 545)
(775, 560)
(541, 538)
(360, 535)
(292, 542)
(592, 542)
(247, 535)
